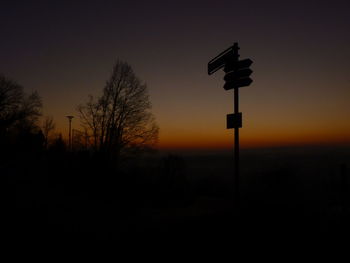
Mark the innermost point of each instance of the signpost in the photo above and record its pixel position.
(236, 83)
(220, 60)
(237, 75)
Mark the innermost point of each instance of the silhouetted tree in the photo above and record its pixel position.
(58, 145)
(47, 127)
(19, 112)
(80, 140)
(120, 120)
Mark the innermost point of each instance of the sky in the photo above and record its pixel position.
(300, 50)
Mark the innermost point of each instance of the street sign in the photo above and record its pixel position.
(232, 65)
(238, 83)
(220, 60)
(234, 120)
(235, 75)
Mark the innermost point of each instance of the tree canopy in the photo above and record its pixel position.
(120, 120)
(17, 109)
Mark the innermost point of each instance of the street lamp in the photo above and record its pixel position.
(70, 130)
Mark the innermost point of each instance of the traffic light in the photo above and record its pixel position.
(237, 74)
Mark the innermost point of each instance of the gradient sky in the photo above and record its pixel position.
(301, 51)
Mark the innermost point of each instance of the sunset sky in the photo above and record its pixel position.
(301, 51)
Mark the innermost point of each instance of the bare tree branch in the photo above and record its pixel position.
(121, 119)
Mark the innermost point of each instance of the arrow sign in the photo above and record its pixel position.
(245, 63)
(220, 60)
(235, 75)
(238, 83)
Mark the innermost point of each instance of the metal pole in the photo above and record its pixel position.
(236, 134)
(70, 130)
(70, 137)
(236, 149)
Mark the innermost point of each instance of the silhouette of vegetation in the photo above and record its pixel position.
(58, 145)
(17, 109)
(47, 127)
(120, 120)
(19, 115)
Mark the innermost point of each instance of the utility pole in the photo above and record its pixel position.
(237, 75)
(70, 131)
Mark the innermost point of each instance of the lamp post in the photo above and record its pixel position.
(70, 131)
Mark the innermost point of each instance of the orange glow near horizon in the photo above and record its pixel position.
(226, 142)
(200, 125)
(197, 136)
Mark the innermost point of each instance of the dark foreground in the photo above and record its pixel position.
(74, 198)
